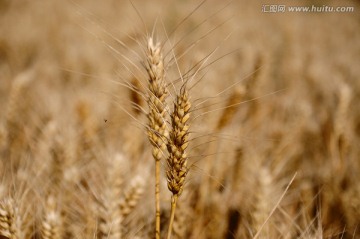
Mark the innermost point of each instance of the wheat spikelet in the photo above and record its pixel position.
(157, 132)
(52, 221)
(8, 227)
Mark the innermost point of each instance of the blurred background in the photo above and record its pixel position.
(275, 101)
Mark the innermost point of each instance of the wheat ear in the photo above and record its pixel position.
(157, 132)
(110, 215)
(178, 142)
(263, 206)
(132, 196)
(52, 221)
(8, 227)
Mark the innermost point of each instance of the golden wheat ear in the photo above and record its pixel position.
(156, 131)
(156, 99)
(177, 145)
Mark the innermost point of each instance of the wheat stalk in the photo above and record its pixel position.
(178, 142)
(157, 132)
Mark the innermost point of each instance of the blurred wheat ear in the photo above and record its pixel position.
(52, 221)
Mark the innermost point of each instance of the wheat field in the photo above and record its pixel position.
(245, 122)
